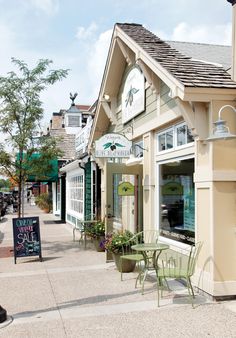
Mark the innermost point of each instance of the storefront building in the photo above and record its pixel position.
(82, 177)
(180, 183)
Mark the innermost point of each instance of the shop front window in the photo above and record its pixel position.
(76, 194)
(177, 202)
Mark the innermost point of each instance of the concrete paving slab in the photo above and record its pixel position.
(75, 293)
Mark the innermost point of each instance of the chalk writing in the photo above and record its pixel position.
(26, 237)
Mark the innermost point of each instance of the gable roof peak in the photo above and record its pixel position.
(187, 71)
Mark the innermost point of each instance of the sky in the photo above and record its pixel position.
(76, 34)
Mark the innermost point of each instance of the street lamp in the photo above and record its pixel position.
(221, 131)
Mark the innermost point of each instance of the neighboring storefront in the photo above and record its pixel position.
(72, 128)
(82, 179)
(165, 103)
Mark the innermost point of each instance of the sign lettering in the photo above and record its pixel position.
(26, 237)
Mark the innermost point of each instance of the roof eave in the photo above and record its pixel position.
(203, 94)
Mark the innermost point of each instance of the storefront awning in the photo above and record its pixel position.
(50, 174)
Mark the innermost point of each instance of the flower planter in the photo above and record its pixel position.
(46, 210)
(127, 265)
(96, 242)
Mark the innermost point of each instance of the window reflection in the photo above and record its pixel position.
(177, 203)
(176, 136)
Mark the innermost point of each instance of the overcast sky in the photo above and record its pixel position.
(75, 34)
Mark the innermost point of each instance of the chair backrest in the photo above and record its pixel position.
(150, 236)
(177, 261)
(136, 239)
(79, 225)
(193, 256)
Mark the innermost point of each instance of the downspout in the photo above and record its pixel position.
(233, 69)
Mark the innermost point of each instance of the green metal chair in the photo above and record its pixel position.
(129, 254)
(146, 236)
(80, 226)
(178, 265)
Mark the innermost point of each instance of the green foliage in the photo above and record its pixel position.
(20, 114)
(114, 242)
(44, 201)
(96, 230)
(4, 184)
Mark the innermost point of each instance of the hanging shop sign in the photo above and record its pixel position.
(133, 96)
(113, 145)
(126, 189)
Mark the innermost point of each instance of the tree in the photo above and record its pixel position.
(20, 115)
(5, 184)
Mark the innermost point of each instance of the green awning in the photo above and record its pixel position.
(49, 175)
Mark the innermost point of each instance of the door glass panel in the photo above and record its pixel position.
(125, 202)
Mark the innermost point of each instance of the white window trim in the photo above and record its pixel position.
(175, 146)
(70, 210)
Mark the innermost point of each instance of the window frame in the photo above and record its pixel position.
(172, 129)
(76, 194)
(158, 199)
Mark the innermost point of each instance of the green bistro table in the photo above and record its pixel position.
(150, 252)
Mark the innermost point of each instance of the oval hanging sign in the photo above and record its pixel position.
(113, 145)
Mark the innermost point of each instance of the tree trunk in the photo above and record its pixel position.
(19, 198)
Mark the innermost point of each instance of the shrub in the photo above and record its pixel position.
(114, 242)
(44, 201)
(96, 230)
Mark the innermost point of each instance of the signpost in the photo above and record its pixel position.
(26, 234)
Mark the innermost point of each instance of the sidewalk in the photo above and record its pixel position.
(74, 293)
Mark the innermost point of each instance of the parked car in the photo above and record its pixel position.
(3, 204)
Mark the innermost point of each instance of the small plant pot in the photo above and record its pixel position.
(124, 265)
(97, 241)
(46, 210)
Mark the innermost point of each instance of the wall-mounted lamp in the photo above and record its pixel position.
(221, 131)
(133, 160)
(139, 146)
(106, 97)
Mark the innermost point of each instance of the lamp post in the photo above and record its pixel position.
(221, 131)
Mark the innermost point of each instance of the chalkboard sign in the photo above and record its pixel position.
(26, 237)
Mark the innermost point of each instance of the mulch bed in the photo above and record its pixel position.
(6, 251)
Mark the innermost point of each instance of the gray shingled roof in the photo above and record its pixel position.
(65, 142)
(206, 52)
(189, 72)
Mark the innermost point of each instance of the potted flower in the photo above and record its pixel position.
(117, 243)
(44, 202)
(97, 232)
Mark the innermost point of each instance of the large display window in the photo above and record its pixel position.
(76, 194)
(177, 200)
